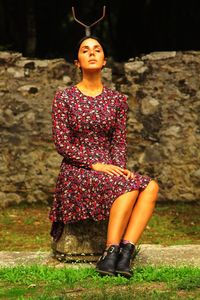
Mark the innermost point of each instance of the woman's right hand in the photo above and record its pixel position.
(111, 169)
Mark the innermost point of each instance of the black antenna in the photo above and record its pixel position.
(88, 27)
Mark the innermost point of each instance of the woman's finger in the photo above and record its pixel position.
(121, 174)
(117, 170)
(132, 175)
(116, 173)
(108, 172)
(129, 175)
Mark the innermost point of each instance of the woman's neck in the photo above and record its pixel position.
(91, 82)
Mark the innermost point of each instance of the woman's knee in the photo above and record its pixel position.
(152, 187)
(130, 196)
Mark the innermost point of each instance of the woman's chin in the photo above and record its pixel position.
(93, 69)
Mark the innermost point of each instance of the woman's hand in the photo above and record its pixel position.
(113, 170)
(128, 174)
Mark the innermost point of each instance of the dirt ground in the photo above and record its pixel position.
(26, 228)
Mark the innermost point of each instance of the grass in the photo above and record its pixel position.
(173, 224)
(27, 227)
(42, 282)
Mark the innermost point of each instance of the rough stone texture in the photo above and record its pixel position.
(86, 237)
(149, 255)
(163, 122)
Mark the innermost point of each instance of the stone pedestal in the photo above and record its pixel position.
(81, 241)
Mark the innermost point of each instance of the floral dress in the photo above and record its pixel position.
(87, 130)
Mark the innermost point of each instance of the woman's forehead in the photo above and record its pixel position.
(90, 43)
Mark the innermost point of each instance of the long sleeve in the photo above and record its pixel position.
(118, 150)
(61, 134)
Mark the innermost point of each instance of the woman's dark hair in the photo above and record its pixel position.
(89, 37)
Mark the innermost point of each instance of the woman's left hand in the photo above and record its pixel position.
(128, 174)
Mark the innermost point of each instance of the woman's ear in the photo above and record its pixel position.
(76, 62)
(104, 63)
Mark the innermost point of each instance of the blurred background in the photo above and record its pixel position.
(46, 28)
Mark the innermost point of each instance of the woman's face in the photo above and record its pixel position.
(90, 55)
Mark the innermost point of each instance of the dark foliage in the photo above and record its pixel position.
(46, 29)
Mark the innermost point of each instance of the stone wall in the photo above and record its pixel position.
(163, 122)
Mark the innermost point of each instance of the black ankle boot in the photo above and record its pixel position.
(107, 262)
(123, 266)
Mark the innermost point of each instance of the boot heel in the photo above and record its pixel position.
(123, 266)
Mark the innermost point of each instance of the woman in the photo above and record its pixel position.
(89, 130)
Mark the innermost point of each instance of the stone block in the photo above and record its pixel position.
(85, 239)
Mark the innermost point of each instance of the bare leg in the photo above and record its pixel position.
(142, 212)
(119, 216)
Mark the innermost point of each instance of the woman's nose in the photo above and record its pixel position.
(91, 52)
